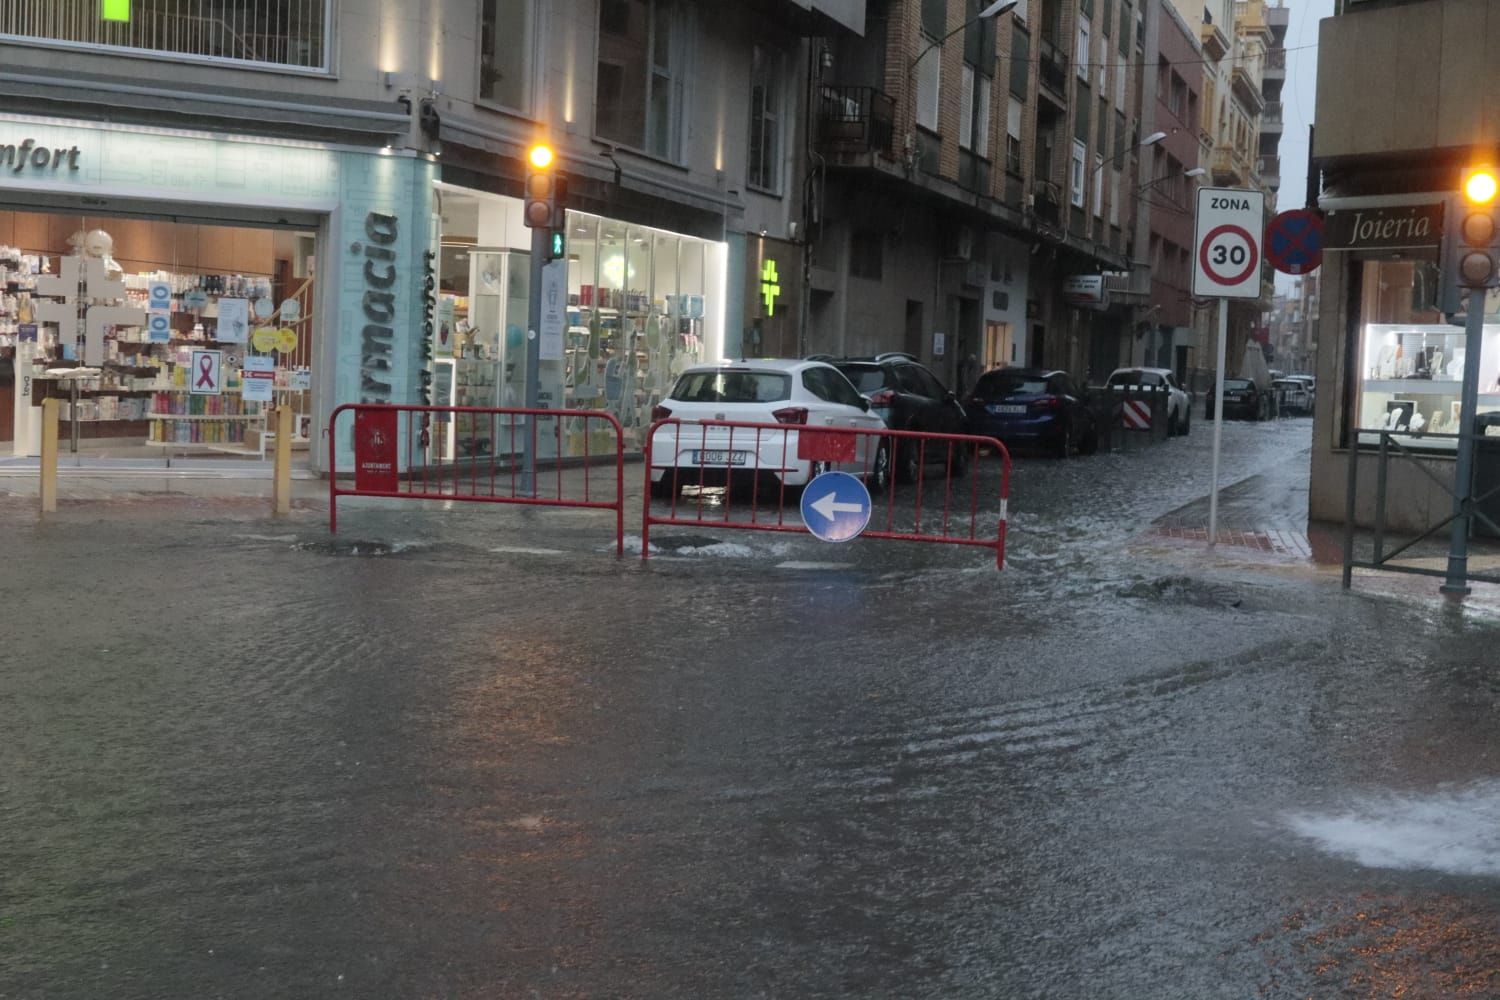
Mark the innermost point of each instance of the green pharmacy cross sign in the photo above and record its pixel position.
(770, 286)
(116, 10)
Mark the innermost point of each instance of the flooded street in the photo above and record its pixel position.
(467, 753)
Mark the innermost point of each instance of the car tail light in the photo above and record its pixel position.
(885, 397)
(791, 415)
(1046, 403)
(660, 413)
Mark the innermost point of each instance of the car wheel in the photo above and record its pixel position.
(1172, 428)
(879, 479)
(958, 457)
(663, 488)
(908, 466)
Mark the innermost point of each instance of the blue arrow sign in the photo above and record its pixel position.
(836, 507)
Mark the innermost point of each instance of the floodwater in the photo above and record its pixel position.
(467, 753)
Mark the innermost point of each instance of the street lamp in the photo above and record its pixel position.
(1194, 172)
(1150, 140)
(993, 10)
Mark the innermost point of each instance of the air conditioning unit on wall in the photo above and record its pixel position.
(959, 244)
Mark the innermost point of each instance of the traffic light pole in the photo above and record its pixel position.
(539, 243)
(1457, 581)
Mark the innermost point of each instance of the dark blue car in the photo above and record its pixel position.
(1032, 407)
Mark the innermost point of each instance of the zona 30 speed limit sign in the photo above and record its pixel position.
(1229, 227)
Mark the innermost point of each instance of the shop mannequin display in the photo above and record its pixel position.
(96, 244)
(1418, 422)
(1438, 422)
(1438, 362)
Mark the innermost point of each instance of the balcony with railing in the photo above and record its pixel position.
(1053, 72)
(853, 121)
(1276, 64)
(1270, 118)
(1229, 166)
(1270, 172)
(281, 33)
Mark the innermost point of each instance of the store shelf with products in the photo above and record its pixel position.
(1411, 381)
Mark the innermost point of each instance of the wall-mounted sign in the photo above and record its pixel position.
(1085, 291)
(1399, 227)
(27, 155)
(770, 286)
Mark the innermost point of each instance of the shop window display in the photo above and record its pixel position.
(1411, 362)
(111, 315)
(640, 311)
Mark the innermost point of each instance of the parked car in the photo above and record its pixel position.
(909, 397)
(1292, 395)
(793, 392)
(1243, 399)
(1179, 403)
(1033, 406)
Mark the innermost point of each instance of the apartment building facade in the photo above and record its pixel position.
(977, 194)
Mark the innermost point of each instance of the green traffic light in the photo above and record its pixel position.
(117, 10)
(557, 246)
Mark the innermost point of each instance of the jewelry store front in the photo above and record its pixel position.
(1400, 361)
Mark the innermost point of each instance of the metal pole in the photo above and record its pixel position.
(1457, 582)
(539, 241)
(1213, 493)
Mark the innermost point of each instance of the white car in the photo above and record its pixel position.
(795, 393)
(1179, 403)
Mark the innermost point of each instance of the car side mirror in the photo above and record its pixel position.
(864, 403)
(951, 396)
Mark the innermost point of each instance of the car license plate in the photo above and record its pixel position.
(1004, 408)
(718, 457)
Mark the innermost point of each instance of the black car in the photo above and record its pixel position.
(909, 398)
(1243, 399)
(1033, 406)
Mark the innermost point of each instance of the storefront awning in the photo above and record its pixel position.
(77, 95)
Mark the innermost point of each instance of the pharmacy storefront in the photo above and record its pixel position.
(170, 287)
(643, 304)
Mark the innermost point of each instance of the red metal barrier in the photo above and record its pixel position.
(743, 458)
(491, 471)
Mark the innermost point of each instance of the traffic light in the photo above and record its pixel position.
(1471, 237)
(557, 245)
(541, 188)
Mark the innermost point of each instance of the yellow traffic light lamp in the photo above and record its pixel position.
(1481, 185)
(540, 156)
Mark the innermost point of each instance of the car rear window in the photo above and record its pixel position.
(866, 378)
(1135, 378)
(997, 384)
(733, 387)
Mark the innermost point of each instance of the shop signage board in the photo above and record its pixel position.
(375, 451)
(234, 320)
(1294, 241)
(159, 326)
(1226, 243)
(259, 379)
(835, 507)
(1393, 227)
(204, 371)
(1086, 291)
(159, 296)
(554, 309)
